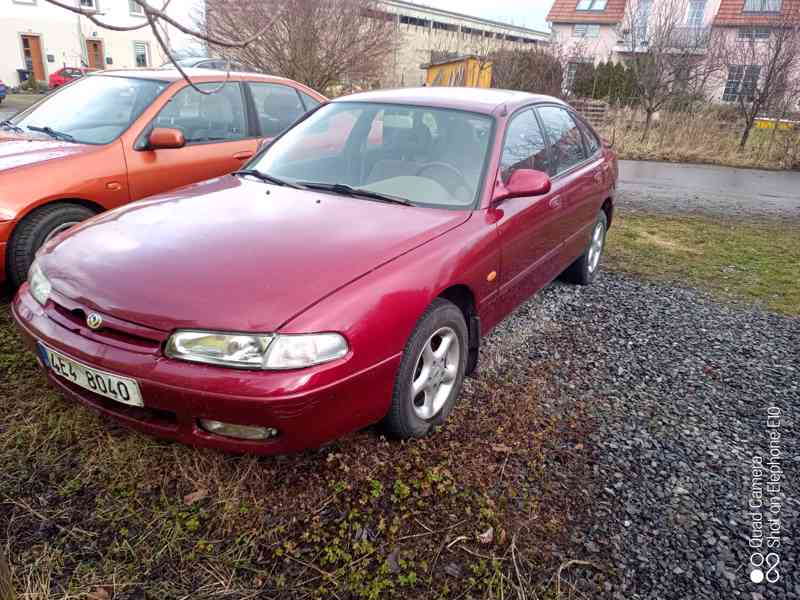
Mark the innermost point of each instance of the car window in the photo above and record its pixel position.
(93, 110)
(429, 156)
(589, 138)
(308, 100)
(524, 146)
(277, 107)
(217, 117)
(566, 144)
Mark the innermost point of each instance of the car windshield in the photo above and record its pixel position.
(92, 110)
(426, 156)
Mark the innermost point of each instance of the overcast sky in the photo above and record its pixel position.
(526, 13)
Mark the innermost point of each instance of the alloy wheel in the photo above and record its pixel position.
(436, 373)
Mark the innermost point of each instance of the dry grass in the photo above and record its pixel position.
(710, 136)
(90, 510)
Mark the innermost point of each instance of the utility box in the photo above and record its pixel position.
(461, 71)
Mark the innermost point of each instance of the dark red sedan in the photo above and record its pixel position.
(67, 75)
(345, 277)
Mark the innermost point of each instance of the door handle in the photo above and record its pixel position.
(243, 155)
(555, 202)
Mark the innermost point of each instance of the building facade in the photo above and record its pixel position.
(424, 31)
(41, 38)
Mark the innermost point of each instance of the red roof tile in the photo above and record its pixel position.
(563, 11)
(731, 12)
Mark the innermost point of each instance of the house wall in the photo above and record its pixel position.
(62, 35)
(597, 49)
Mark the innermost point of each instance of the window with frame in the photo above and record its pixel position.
(591, 139)
(89, 4)
(697, 10)
(141, 54)
(586, 30)
(309, 101)
(136, 9)
(591, 5)
(742, 80)
(753, 33)
(566, 141)
(217, 117)
(524, 146)
(762, 6)
(277, 107)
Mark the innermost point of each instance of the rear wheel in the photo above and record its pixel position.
(431, 372)
(584, 269)
(34, 230)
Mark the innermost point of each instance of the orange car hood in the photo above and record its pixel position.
(20, 151)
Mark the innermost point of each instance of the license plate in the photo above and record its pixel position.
(121, 389)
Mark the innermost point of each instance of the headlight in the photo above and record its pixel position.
(256, 351)
(39, 285)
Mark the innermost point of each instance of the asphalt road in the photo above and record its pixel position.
(719, 191)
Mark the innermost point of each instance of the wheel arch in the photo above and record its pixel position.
(608, 208)
(464, 298)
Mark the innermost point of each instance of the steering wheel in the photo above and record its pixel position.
(451, 178)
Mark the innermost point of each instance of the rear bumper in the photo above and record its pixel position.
(308, 407)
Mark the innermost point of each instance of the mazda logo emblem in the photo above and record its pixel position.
(94, 321)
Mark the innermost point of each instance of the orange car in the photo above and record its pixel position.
(116, 136)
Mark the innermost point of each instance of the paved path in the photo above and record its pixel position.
(719, 191)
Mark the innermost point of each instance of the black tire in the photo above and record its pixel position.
(582, 272)
(403, 421)
(31, 233)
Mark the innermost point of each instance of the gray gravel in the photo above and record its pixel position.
(678, 387)
(670, 188)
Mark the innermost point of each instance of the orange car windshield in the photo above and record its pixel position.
(92, 110)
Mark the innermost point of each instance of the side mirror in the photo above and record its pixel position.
(523, 183)
(162, 138)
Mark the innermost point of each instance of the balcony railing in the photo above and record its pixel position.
(693, 39)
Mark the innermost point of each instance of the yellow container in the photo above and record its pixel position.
(463, 71)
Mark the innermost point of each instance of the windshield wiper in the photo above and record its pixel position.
(59, 135)
(9, 125)
(265, 177)
(346, 190)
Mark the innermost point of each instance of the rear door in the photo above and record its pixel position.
(219, 139)
(572, 177)
(528, 228)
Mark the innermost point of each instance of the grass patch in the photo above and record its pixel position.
(752, 261)
(480, 509)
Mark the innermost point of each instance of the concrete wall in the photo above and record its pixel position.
(62, 35)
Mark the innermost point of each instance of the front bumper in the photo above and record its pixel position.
(308, 407)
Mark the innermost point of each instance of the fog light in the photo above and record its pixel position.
(241, 432)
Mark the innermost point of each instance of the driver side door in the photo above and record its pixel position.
(218, 141)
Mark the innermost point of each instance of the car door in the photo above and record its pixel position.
(219, 139)
(572, 178)
(528, 228)
(277, 107)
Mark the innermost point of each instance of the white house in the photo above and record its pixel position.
(42, 38)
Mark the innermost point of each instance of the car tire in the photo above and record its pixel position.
(585, 268)
(34, 230)
(432, 370)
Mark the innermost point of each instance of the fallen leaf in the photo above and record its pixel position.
(502, 537)
(392, 561)
(487, 537)
(579, 446)
(98, 594)
(502, 448)
(452, 569)
(195, 497)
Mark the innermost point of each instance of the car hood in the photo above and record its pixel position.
(232, 254)
(19, 150)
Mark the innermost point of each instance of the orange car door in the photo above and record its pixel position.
(218, 138)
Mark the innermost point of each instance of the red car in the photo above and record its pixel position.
(316, 292)
(67, 75)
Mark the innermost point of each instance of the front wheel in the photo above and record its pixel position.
(585, 267)
(431, 372)
(34, 230)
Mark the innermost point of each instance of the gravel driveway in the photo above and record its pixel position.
(671, 188)
(679, 387)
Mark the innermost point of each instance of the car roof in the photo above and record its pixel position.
(198, 75)
(480, 100)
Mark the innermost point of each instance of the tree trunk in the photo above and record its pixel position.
(748, 125)
(6, 587)
(648, 119)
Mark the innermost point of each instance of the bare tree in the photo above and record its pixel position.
(537, 70)
(763, 65)
(669, 57)
(326, 44)
(157, 20)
